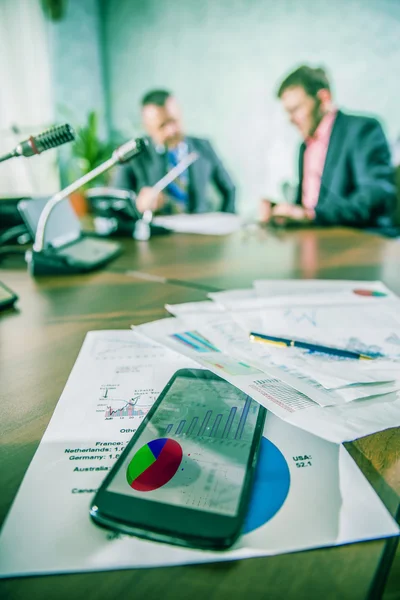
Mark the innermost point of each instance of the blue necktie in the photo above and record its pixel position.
(178, 190)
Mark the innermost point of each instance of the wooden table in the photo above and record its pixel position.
(39, 342)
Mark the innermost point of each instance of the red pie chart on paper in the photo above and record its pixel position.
(154, 464)
(362, 292)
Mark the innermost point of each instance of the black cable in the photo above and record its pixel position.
(16, 232)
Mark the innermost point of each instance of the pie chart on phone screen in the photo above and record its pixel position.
(154, 464)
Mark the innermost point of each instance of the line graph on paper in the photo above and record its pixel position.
(301, 317)
(129, 408)
(112, 405)
(393, 338)
(107, 350)
(390, 346)
(356, 345)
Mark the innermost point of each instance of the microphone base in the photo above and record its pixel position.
(113, 227)
(48, 263)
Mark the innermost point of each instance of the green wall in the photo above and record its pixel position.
(77, 65)
(224, 59)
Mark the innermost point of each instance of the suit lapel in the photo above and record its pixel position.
(156, 166)
(335, 144)
(195, 175)
(301, 171)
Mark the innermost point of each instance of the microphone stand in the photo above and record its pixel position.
(43, 260)
(142, 229)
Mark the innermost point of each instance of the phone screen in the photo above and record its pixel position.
(195, 448)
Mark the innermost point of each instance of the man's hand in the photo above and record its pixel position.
(149, 199)
(285, 214)
(266, 207)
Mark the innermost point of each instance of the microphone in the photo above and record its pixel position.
(51, 138)
(129, 150)
(121, 155)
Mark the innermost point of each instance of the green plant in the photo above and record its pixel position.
(89, 151)
(54, 9)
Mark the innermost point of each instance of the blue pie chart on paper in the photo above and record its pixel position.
(271, 486)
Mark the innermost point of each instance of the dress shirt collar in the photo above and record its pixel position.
(182, 148)
(324, 129)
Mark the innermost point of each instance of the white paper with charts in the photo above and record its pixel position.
(114, 382)
(328, 288)
(379, 336)
(361, 316)
(304, 292)
(216, 342)
(215, 223)
(365, 318)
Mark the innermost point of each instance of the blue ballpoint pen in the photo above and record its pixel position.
(278, 341)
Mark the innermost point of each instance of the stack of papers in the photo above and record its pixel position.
(119, 374)
(114, 382)
(336, 398)
(206, 224)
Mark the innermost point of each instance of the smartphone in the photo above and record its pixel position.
(185, 477)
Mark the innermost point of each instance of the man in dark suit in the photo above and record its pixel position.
(168, 146)
(345, 171)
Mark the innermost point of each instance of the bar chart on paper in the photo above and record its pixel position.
(211, 355)
(195, 341)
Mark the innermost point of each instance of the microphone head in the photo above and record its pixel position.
(56, 136)
(129, 150)
(53, 137)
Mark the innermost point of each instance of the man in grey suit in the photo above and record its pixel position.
(168, 146)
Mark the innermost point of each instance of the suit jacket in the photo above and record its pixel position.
(147, 168)
(357, 184)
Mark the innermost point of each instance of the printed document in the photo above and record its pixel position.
(115, 380)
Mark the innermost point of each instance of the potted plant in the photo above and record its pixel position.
(87, 152)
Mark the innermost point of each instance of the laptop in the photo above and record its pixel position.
(66, 246)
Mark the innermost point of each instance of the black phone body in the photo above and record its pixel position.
(116, 213)
(185, 477)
